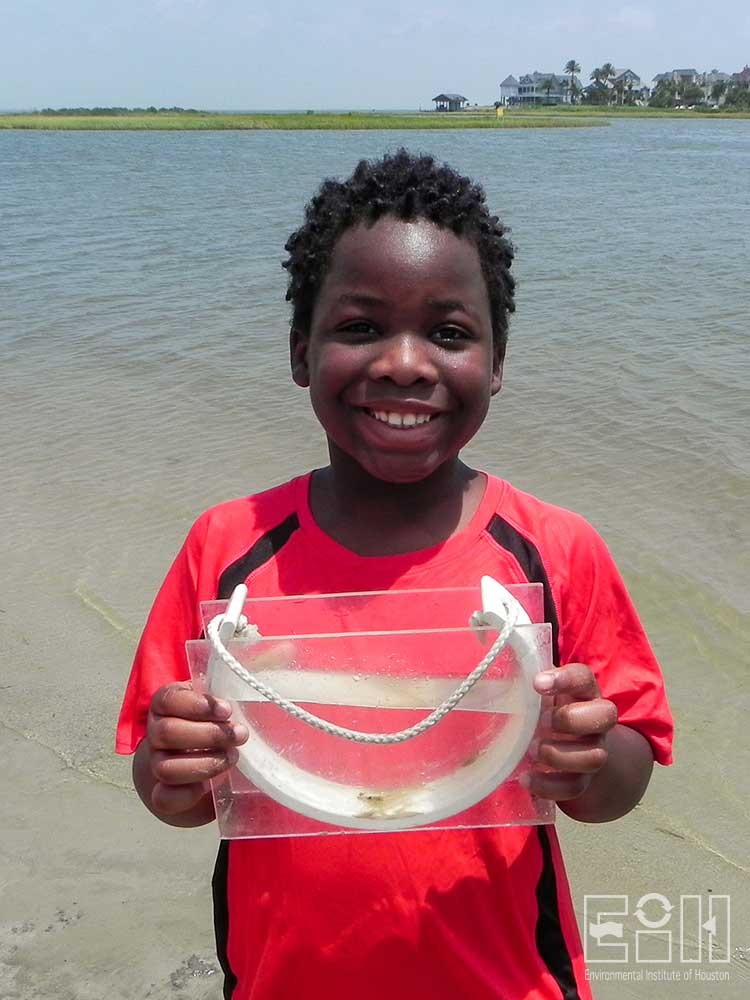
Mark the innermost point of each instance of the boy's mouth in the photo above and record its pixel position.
(403, 421)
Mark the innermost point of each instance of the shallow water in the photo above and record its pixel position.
(144, 330)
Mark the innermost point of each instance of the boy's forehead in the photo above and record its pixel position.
(417, 246)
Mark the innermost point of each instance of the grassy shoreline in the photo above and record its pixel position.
(580, 116)
(628, 111)
(189, 121)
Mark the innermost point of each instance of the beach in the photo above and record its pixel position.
(145, 378)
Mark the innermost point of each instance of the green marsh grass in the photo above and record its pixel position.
(165, 121)
(598, 111)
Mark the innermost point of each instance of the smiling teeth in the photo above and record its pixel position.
(401, 419)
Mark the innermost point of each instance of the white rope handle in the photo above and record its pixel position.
(357, 736)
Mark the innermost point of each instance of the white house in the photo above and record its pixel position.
(509, 91)
(543, 88)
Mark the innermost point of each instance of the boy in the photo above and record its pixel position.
(401, 290)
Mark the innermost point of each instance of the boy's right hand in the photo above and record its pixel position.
(190, 739)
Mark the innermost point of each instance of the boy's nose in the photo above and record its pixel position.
(404, 359)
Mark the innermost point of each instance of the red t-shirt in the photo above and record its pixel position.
(485, 914)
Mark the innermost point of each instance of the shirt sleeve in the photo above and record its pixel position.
(160, 657)
(600, 627)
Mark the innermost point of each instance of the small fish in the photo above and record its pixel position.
(387, 805)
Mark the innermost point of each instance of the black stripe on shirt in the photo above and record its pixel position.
(528, 558)
(550, 940)
(219, 885)
(259, 553)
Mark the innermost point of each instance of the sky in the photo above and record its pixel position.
(299, 54)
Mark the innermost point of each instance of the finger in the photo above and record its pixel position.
(575, 680)
(168, 800)
(584, 718)
(189, 768)
(556, 785)
(181, 734)
(182, 701)
(584, 756)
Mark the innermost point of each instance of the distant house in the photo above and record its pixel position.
(543, 88)
(710, 80)
(449, 102)
(713, 77)
(509, 91)
(627, 78)
(742, 77)
(629, 86)
(685, 76)
(682, 77)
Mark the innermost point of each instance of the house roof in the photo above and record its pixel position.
(536, 77)
(509, 81)
(450, 97)
(686, 72)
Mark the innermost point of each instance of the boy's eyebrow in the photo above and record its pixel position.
(362, 299)
(448, 305)
(359, 299)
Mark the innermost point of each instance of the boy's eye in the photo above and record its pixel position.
(450, 336)
(358, 328)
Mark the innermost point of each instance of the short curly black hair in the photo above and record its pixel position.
(408, 187)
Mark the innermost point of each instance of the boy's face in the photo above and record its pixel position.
(399, 357)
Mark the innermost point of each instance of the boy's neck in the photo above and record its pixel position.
(376, 518)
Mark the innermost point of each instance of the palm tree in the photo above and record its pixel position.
(607, 70)
(596, 75)
(549, 84)
(572, 67)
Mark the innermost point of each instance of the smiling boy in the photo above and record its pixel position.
(401, 291)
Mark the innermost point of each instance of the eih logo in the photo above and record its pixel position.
(694, 931)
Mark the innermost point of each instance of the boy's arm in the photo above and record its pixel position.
(620, 784)
(596, 769)
(189, 740)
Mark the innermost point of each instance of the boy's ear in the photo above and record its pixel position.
(298, 344)
(498, 360)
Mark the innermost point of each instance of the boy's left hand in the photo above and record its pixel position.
(572, 744)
